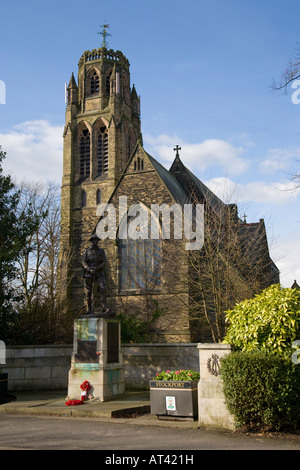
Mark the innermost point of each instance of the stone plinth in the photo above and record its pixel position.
(212, 410)
(97, 358)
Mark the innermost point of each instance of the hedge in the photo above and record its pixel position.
(261, 390)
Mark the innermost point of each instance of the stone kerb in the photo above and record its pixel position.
(212, 410)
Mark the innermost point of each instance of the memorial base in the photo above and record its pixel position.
(97, 358)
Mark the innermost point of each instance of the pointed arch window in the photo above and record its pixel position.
(85, 153)
(107, 84)
(83, 198)
(131, 143)
(98, 196)
(138, 164)
(94, 83)
(102, 151)
(140, 257)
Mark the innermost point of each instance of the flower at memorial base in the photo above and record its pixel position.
(183, 375)
(85, 385)
(74, 402)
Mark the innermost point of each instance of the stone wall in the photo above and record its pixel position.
(38, 367)
(143, 361)
(47, 367)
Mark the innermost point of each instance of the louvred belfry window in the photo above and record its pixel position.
(102, 151)
(107, 84)
(94, 83)
(84, 150)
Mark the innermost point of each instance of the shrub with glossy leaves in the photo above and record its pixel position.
(270, 322)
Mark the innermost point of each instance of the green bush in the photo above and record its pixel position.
(133, 329)
(261, 390)
(270, 321)
(139, 328)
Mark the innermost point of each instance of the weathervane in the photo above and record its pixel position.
(104, 34)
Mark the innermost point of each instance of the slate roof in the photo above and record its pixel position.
(193, 185)
(176, 190)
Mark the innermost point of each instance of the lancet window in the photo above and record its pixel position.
(84, 151)
(102, 151)
(94, 83)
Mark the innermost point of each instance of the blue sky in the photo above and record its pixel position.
(203, 71)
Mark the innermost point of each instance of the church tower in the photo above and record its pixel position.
(102, 126)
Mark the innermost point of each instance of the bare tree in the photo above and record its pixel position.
(290, 74)
(38, 260)
(233, 265)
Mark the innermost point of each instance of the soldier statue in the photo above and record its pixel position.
(94, 263)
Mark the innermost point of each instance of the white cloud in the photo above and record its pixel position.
(285, 254)
(34, 151)
(199, 156)
(281, 159)
(255, 191)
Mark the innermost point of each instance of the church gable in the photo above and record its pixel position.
(145, 180)
(143, 186)
(138, 161)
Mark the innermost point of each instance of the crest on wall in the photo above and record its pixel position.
(213, 365)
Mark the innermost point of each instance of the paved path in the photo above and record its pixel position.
(71, 433)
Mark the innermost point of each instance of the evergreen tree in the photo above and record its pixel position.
(14, 229)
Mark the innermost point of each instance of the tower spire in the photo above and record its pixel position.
(104, 34)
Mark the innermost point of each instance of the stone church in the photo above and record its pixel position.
(177, 293)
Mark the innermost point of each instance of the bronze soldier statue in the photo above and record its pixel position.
(94, 263)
